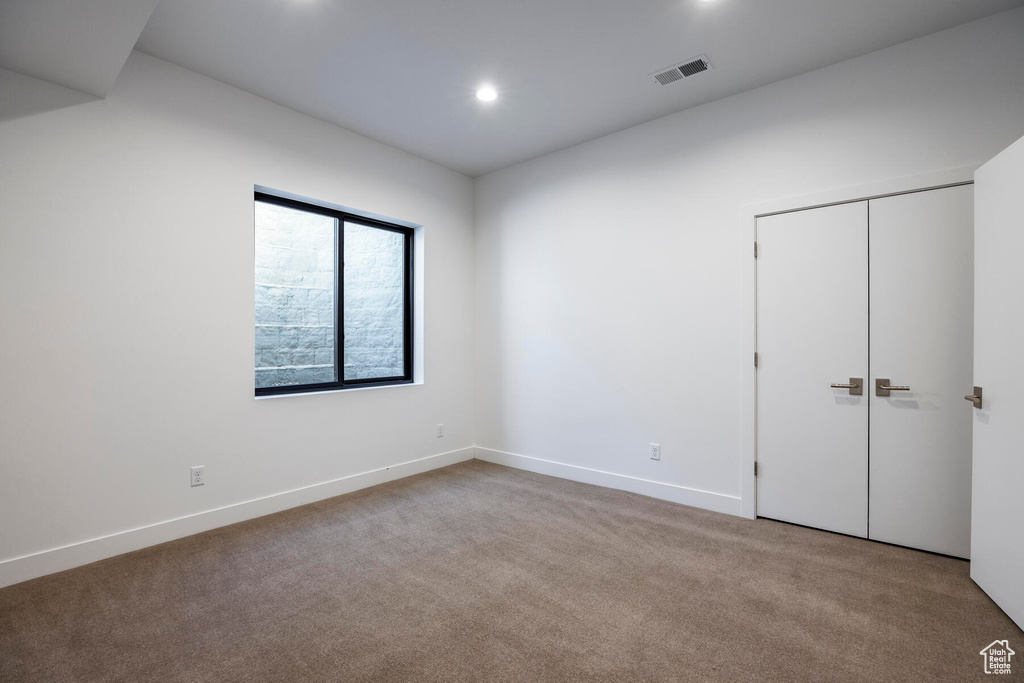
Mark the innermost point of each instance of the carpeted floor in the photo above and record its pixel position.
(478, 572)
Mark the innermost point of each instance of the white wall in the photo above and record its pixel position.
(126, 295)
(609, 274)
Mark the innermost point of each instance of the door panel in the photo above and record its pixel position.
(812, 318)
(997, 544)
(921, 335)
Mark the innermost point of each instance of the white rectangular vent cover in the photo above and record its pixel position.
(677, 72)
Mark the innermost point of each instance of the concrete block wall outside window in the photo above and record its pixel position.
(295, 291)
(374, 287)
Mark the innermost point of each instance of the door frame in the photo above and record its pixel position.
(749, 213)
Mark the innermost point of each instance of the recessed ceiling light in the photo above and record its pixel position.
(486, 93)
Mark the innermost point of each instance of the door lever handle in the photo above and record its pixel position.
(882, 387)
(856, 386)
(975, 398)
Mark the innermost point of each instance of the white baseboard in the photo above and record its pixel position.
(32, 566)
(708, 500)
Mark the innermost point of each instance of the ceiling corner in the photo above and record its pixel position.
(75, 44)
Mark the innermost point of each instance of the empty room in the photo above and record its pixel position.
(465, 340)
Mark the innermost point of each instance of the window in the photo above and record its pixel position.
(333, 298)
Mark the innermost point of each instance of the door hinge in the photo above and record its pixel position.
(755, 359)
(755, 248)
(755, 468)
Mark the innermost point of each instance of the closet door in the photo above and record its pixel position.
(812, 318)
(922, 318)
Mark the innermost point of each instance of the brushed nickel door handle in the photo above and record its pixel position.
(882, 387)
(856, 386)
(975, 398)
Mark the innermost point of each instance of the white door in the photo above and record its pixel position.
(812, 331)
(997, 544)
(921, 332)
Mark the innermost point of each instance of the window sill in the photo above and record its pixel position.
(348, 390)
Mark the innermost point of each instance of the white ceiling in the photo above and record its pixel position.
(79, 45)
(404, 71)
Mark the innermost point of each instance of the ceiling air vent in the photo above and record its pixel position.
(678, 72)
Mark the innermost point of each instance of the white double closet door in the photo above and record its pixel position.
(873, 292)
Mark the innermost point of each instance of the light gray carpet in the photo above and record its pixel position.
(482, 573)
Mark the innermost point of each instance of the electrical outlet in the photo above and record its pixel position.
(440, 430)
(198, 475)
(655, 451)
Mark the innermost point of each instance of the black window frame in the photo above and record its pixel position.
(341, 217)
